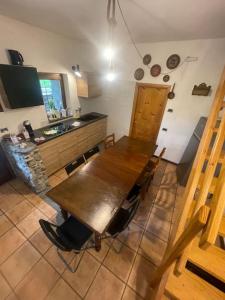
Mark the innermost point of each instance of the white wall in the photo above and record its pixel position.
(46, 51)
(117, 97)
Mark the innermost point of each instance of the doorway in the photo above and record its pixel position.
(148, 109)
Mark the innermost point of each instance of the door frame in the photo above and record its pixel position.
(141, 84)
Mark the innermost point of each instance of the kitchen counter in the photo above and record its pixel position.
(65, 126)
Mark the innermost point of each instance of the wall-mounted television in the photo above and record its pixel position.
(20, 86)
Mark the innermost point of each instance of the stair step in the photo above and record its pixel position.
(189, 286)
(211, 260)
(222, 224)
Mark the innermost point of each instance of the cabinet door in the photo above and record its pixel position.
(50, 156)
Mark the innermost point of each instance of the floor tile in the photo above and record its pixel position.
(100, 255)
(38, 282)
(165, 198)
(163, 213)
(46, 209)
(62, 291)
(20, 211)
(152, 248)
(61, 174)
(52, 257)
(12, 296)
(40, 241)
(142, 214)
(5, 224)
(106, 286)
(81, 280)
(5, 289)
(132, 236)
(120, 263)
(9, 242)
(140, 276)
(54, 180)
(19, 263)
(34, 199)
(159, 227)
(129, 294)
(9, 197)
(31, 223)
(20, 186)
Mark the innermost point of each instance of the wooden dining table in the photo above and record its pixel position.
(95, 193)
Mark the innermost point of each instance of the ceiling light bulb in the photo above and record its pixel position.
(110, 76)
(108, 53)
(77, 73)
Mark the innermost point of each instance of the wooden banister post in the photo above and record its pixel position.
(193, 228)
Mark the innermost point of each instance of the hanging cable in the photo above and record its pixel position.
(128, 30)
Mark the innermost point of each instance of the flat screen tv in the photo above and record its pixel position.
(20, 86)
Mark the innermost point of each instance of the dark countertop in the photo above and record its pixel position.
(65, 126)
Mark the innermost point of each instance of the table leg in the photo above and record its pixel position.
(97, 242)
(64, 214)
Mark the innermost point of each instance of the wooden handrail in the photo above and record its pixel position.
(217, 206)
(198, 165)
(194, 227)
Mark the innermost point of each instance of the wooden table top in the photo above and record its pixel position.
(95, 193)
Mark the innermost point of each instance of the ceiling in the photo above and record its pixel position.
(149, 20)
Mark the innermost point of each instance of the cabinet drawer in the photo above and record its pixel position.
(68, 155)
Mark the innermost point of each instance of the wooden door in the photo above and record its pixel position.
(148, 108)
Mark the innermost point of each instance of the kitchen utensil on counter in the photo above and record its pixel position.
(171, 94)
(29, 128)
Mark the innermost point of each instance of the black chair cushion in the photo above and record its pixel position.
(73, 233)
(91, 152)
(118, 223)
(135, 191)
(73, 165)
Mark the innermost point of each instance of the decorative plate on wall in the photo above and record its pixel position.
(139, 74)
(155, 70)
(147, 59)
(173, 61)
(166, 78)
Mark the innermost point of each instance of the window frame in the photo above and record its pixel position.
(55, 76)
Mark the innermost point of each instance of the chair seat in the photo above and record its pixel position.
(118, 222)
(73, 233)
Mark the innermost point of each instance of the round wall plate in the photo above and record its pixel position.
(166, 78)
(147, 59)
(173, 61)
(155, 70)
(139, 74)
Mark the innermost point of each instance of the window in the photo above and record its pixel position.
(53, 92)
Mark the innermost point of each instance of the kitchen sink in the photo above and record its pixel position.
(89, 117)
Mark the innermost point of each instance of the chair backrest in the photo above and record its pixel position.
(109, 141)
(160, 156)
(91, 152)
(75, 164)
(132, 210)
(50, 231)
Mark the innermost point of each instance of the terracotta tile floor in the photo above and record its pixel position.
(30, 268)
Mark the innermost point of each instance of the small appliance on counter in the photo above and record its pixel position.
(29, 128)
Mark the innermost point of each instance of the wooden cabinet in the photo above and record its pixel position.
(59, 152)
(89, 85)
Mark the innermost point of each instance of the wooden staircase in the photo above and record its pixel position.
(194, 264)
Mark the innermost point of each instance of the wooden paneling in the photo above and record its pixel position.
(148, 108)
(62, 150)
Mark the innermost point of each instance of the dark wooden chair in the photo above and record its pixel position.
(144, 182)
(74, 165)
(109, 141)
(70, 236)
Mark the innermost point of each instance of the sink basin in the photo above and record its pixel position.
(89, 117)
